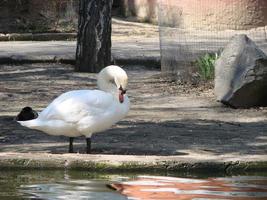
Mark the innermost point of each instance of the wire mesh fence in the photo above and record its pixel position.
(192, 29)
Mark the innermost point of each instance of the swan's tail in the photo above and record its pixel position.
(33, 124)
(28, 117)
(26, 113)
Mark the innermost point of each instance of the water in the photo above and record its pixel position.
(76, 185)
(159, 187)
(53, 185)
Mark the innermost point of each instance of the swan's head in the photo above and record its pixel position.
(113, 79)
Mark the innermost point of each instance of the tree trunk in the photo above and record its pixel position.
(94, 35)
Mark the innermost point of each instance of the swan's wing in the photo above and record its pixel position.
(75, 105)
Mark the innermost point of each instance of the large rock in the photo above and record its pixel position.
(241, 74)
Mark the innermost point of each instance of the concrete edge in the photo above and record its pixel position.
(148, 62)
(26, 60)
(37, 36)
(152, 62)
(125, 163)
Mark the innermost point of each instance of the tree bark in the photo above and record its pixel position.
(94, 35)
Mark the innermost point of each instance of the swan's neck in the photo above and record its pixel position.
(106, 83)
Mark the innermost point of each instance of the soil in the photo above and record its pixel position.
(182, 125)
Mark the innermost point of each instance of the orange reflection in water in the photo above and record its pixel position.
(156, 187)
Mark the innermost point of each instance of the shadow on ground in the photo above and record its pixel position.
(146, 138)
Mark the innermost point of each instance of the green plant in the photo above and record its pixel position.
(206, 65)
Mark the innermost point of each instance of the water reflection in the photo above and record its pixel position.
(156, 187)
(57, 185)
(78, 190)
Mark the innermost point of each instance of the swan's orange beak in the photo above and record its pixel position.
(121, 94)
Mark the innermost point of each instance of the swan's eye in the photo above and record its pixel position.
(112, 81)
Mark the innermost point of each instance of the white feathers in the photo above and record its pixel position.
(84, 112)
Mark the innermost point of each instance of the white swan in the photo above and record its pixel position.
(83, 112)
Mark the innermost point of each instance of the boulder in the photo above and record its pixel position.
(241, 74)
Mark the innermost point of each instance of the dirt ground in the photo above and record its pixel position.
(165, 118)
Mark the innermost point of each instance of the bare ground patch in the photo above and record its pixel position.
(165, 118)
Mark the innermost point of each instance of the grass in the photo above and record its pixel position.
(206, 65)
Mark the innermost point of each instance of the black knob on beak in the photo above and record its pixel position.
(122, 90)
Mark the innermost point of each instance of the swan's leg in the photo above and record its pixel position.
(88, 145)
(71, 145)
